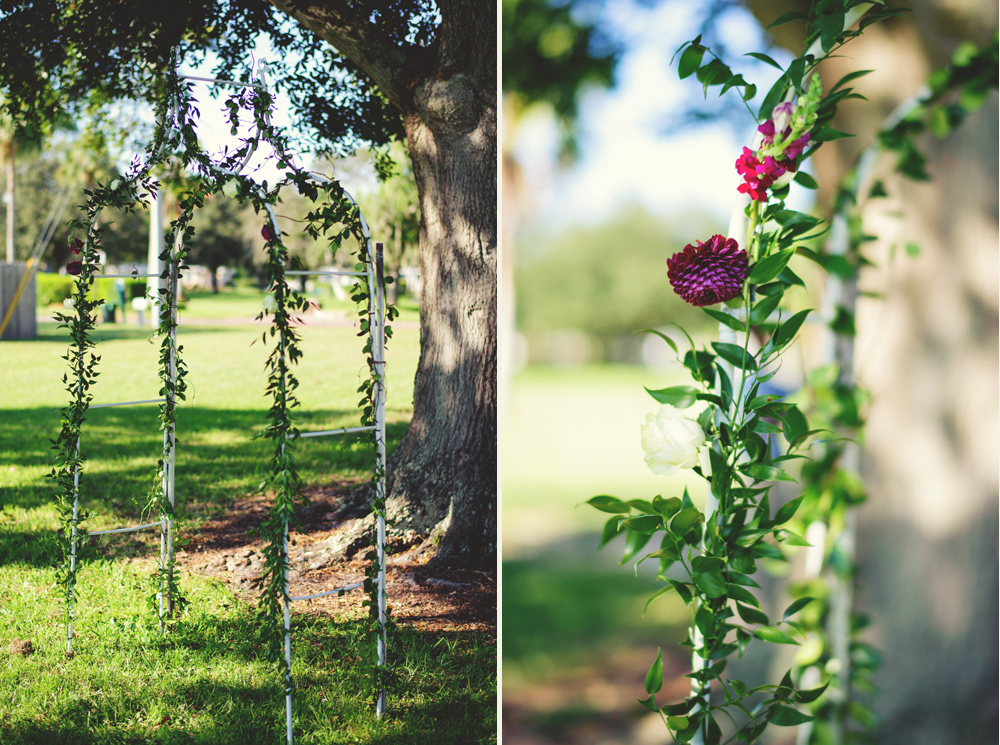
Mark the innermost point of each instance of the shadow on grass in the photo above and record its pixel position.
(218, 461)
(50, 332)
(446, 692)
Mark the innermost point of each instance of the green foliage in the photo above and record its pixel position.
(605, 283)
(550, 55)
(712, 556)
(53, 288)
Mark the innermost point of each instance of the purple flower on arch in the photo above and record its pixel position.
(709, 273)
(74, 268)
(267, 233)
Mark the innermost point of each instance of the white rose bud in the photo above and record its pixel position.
(231, 188)
(671, 440)
(270, 303)
(115, 184)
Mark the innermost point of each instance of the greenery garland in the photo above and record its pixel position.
(337, 218)
(732, 442)
(830, 483)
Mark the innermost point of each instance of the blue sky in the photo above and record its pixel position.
(626, 157)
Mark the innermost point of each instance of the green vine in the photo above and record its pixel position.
(335, 219)
(709, 557)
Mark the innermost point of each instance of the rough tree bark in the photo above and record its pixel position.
(442, 478)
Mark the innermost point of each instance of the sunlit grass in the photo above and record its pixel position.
(207, 680)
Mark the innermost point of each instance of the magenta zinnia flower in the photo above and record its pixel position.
(710, 273)
(74, 267)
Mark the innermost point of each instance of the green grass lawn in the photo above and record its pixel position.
(207, 680)
(570, 434)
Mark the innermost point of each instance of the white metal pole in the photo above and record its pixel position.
(156, 209)
(72, 548)
(288, 639)
(172, 429)
(378, 354)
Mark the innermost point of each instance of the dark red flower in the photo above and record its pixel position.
(74, 267)
(759, 176)
(267, 232)
(709, 273)
(76, 245)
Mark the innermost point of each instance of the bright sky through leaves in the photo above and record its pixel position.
(626, 157)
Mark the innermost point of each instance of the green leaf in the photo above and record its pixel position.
(680, 396)
(736, 578)
(752, 615)
(796, 606)
(647, 524)
(804, 179)
(786, 716)
(677, 723)
(848, 78)
(674, 710)
(685, 520)
(658, 593)
(742, 594)
(762, 550)
(690, 61)
(649, 703)
(787, 510)
(634, 543)
(772, 98)
(713, 584)
(764, 58)
(833, 26)
(792, 539)
(735, 355)
(768, 269)
(795, 423)
(683, 590)
(726, 319)
(784, 18)
(763, 310)
(605, 503)
(787, 331)
(810, 695)
(795, 72)
(773, 635)
(666, 507)
(667, 339)
(654, 678)
(765, 472)
(612, 528)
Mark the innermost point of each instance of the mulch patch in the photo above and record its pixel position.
(228, 547)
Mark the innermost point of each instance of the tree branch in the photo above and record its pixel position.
(346, 27)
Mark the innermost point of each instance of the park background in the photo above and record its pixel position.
(208, 681)
(597, 193)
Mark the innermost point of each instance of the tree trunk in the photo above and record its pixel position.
(442, 479)
(443, 476)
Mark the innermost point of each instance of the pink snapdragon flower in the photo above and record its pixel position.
(759, 176)
(709, 273)
(775, 161)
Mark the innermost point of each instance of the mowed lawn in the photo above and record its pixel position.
(207, 680)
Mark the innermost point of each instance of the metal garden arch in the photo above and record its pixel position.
(370, 272)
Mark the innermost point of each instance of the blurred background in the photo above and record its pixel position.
(610, 165)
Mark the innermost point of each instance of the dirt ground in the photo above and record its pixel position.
(228, 547)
